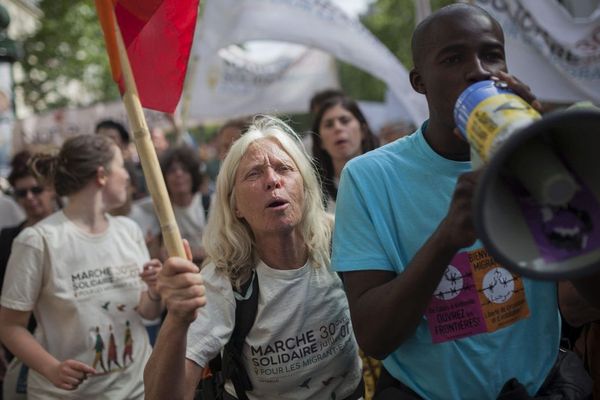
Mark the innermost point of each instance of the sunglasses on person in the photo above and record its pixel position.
(22, 193)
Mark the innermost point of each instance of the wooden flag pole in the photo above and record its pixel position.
(147, 154)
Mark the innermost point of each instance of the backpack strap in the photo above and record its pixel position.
(206, 205)
(245, 314)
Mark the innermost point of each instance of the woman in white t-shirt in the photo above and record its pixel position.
(267, 218)
(79, 271)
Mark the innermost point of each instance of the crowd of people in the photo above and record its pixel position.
(311, 273)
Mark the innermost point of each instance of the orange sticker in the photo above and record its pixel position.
(501, 292)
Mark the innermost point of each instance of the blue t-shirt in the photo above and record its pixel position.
(484, 325)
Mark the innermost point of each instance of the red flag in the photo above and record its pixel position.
(158, 36)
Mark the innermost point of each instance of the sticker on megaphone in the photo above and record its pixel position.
(487, 114)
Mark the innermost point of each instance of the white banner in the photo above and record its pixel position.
(550, 50)
(313, 23)
(230, 84)
(53, 128)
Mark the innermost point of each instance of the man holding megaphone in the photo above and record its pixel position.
(425, 295)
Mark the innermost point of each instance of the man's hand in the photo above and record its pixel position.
(520, 89)
(457, 227)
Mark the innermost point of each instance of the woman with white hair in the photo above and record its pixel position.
(268, 223)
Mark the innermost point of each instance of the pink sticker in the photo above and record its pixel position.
(455, 308)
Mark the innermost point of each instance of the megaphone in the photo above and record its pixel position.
(537, 203)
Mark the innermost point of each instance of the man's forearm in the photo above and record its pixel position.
(388, 313)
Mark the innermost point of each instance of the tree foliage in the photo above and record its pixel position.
(392, 22)
(65, 61)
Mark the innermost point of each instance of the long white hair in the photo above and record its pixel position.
(228, 240)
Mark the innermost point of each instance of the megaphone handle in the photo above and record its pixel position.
(542, 173)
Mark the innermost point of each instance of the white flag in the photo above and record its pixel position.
(314, 23)
(554, 53)
(230, 84)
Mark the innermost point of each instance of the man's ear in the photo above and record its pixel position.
(416, 81)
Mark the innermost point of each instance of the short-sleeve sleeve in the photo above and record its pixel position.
(212, 329)
(24, 272)
(356, 244)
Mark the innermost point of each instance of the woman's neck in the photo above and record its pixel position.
(287, 251)
(338, 166)
(32, 221)
(182, 199)
(86, 210)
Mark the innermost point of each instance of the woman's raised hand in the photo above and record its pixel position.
(181, 287)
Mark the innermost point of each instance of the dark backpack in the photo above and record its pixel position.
(230, 365)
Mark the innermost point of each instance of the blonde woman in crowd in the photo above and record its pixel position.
(267, 224)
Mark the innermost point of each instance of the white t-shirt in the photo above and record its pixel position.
(301, 345)
(83, 290)
(142, 212)
(190, 219)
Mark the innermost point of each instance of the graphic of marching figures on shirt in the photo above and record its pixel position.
(112, 349)
(128, 348)
(98, 347)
